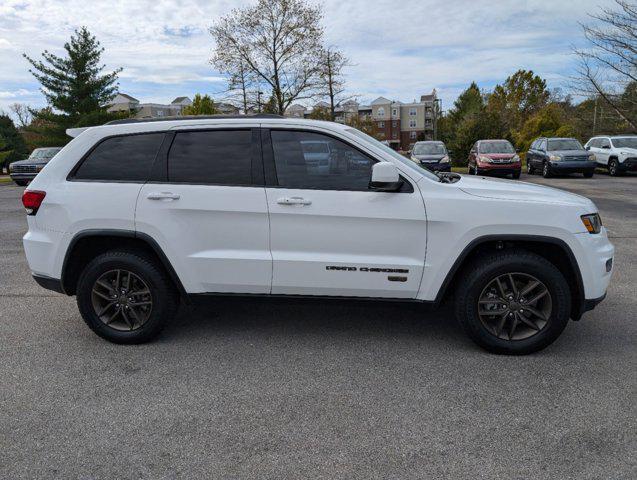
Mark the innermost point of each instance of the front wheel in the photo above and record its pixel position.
(613, 168)
(126, 297)
(546, 170)
(516, 175)
(529, 169)
(513, 302)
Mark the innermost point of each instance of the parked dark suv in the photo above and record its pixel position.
(552, 156)
(494, 156)
(23, 171)
(433, 155)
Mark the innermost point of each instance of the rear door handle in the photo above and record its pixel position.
(294, 201)
(163, 196)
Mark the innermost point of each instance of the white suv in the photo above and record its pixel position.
(617, 153)
(135, 216)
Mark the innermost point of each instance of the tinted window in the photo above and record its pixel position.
(219, 157)
(534, 145)
(127, 158)
(327, 164)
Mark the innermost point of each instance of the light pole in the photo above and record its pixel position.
(437, 108)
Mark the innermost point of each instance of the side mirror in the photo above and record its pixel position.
(517, 150)
(587, 147)
(385, 177)
(449, 152)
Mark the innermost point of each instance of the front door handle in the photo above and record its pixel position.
(294, 201)
(163, 196)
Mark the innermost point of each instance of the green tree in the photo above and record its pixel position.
(201, 105)
(12, 145)
(365, 125)
(521, 95)
(468, 102)
(74, 84)
(321, 113)
(550, 121)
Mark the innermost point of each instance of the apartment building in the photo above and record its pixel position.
(399, 124)
(124, 102)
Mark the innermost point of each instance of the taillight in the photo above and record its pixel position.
(32, 199)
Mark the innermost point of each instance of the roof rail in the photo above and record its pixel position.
(190, 117)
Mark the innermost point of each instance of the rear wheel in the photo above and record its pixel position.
(513, 302)
(546, 170)
(125, 297)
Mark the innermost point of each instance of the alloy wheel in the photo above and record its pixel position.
(612, 168)
(515, 306)
(121, 300)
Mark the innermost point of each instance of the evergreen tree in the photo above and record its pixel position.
(201, 105)
(74, 84)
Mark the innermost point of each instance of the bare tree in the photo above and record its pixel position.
(22, 114)
(609, 67)
(243, 88)
(276, 41)
(332, 82)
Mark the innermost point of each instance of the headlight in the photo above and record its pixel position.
(555, 158)
(592, 222)
(591, 157)
(515, 159)
(482, 158)
(11, 167)
(445, 159)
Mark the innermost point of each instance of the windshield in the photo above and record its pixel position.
(625, 142)
(394, 154)
(429, 149)
(565, 144)
(40, 153)
(501, 146)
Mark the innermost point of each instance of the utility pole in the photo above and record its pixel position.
(595, 117)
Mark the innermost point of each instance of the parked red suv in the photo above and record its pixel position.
(496, 157)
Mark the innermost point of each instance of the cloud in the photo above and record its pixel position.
(4, 94)
(399, 49)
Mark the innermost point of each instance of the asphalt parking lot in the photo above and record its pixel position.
(316, 389)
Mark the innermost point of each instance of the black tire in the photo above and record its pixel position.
(165, 299)
(516, 175)
(546, 170)
(482, 271)
(613, 168)
(21, 183)
(589, 174)
(529, 168)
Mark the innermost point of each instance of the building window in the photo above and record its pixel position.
(381, 112)
(394, 112)
(412, 112)
(394, 135)
(413, 135)
(381, 124)
(394, 124)
(412, 123)
(160, 113)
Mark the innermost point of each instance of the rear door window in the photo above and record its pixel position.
(127, 158)
(213, 157)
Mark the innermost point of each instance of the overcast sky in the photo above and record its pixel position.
(401, 49)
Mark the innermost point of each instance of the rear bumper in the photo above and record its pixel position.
(573, 167)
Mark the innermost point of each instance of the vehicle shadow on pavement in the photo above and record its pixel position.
(308, 317)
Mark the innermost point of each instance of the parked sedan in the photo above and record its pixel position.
(432, 154)
(23, 171)
(496, 157)
(552, 156)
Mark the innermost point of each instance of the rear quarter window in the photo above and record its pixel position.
(126, 158)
